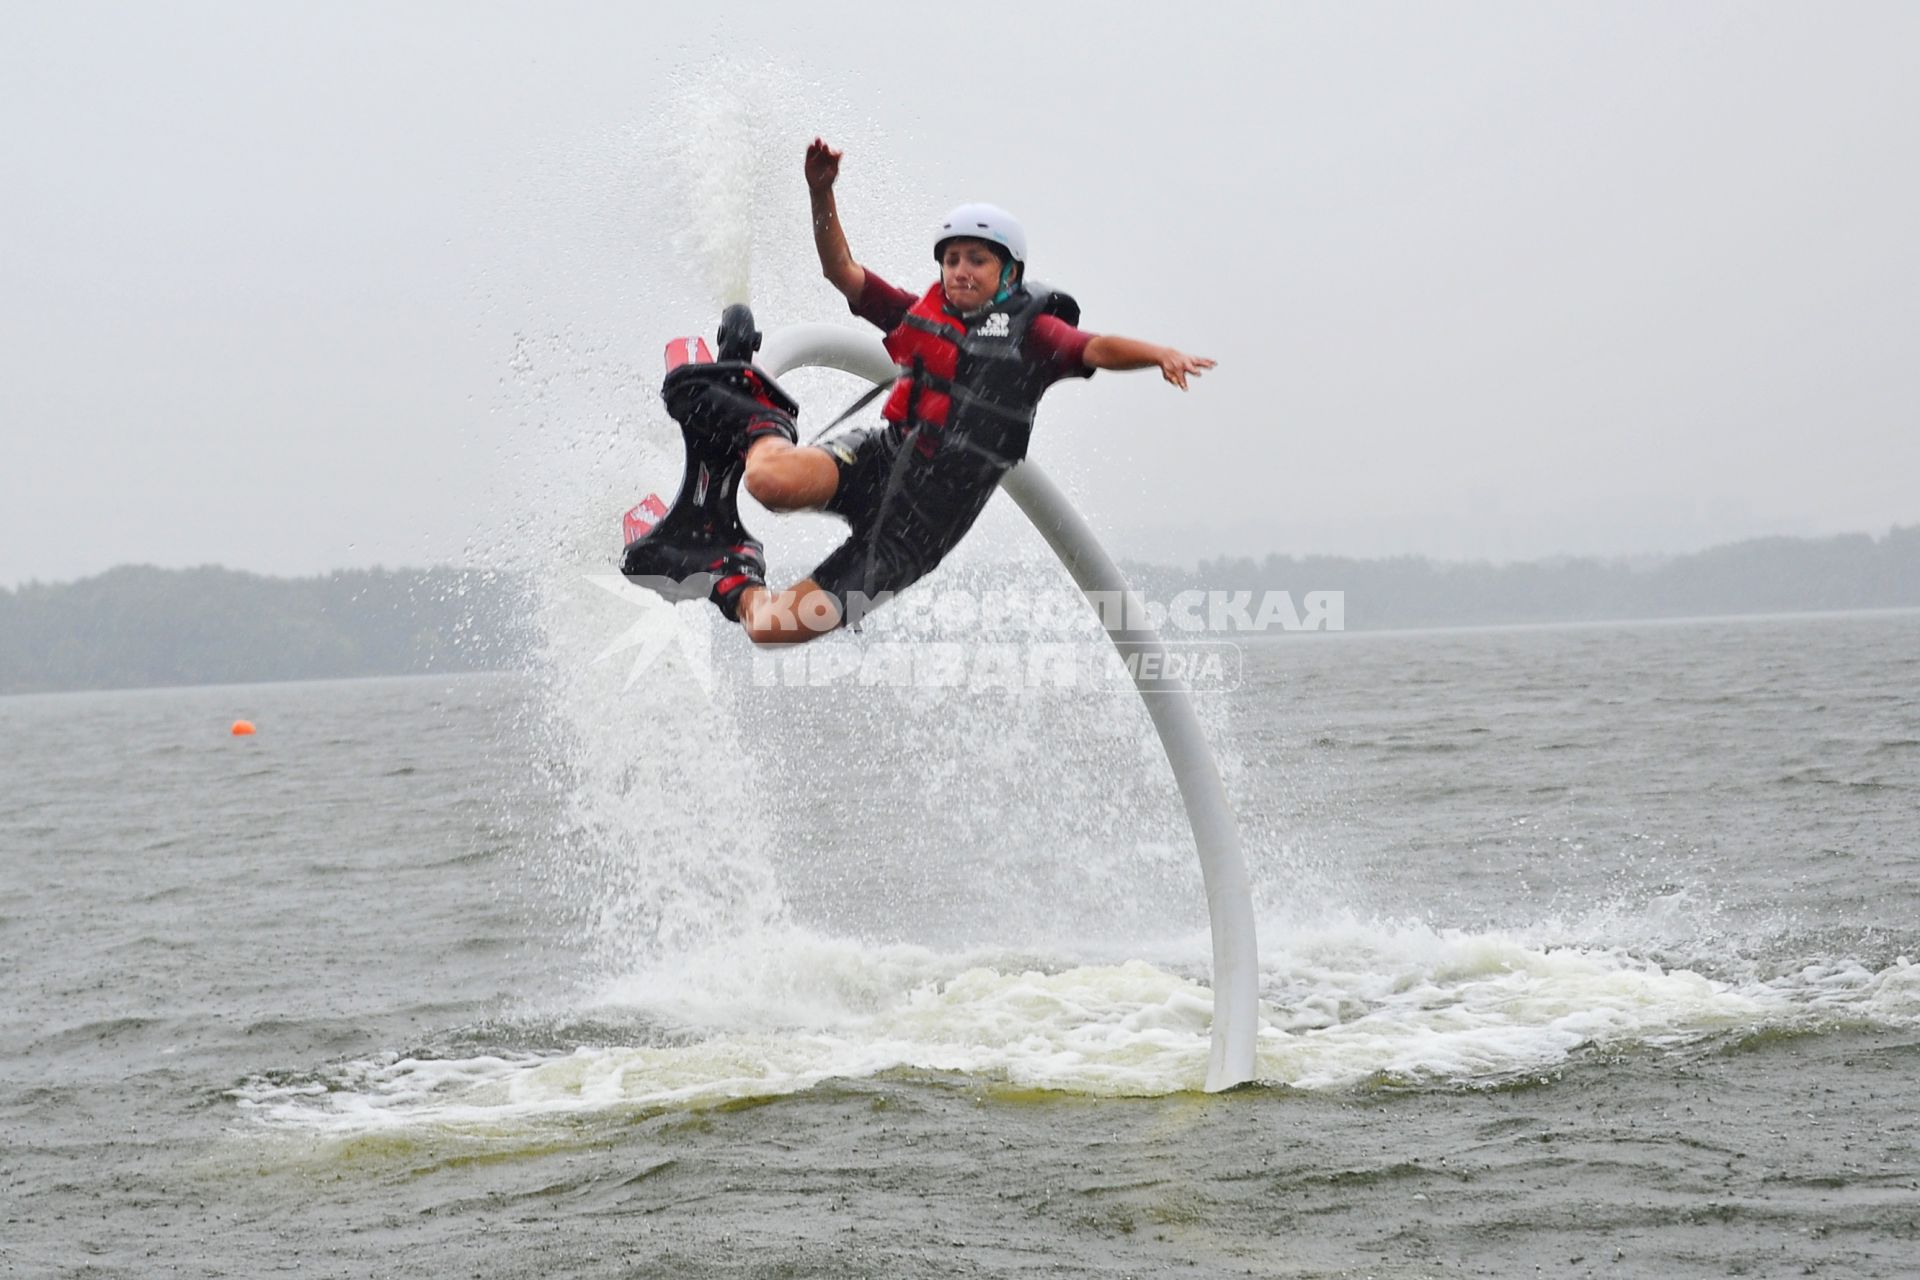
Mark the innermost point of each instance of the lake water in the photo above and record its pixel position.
(1584, 951)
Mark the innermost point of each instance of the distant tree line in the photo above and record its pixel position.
(139, 626)
(1764, 575)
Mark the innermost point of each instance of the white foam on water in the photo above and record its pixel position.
(1350, 1006)
(1421, 1006)
(1846, 989)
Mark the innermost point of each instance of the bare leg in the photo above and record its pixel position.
(783, 476)
(801, 613)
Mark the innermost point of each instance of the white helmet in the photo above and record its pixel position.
(987, 222)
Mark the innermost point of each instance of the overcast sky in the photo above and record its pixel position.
(291, 288)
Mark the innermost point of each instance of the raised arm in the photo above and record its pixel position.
(1110, 351)
(836, 259)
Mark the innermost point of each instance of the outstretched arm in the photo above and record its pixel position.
(836, 259)
(1110, 351)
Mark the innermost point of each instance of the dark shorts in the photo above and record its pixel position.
(905, 515)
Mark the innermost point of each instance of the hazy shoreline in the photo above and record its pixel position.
(138, 627)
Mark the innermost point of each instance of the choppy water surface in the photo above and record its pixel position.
(1588, 950)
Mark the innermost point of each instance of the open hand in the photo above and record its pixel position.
(1176, 365)
(823, 166)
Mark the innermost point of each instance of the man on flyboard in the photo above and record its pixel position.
(976, 352)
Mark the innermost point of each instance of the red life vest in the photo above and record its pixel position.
(966, 382)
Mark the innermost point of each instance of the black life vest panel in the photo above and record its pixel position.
(967, 383)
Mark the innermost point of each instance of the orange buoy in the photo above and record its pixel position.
(241, 728)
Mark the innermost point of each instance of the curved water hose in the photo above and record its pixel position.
(1216, 836)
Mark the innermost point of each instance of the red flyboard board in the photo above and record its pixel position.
(640, 520)
(687, 351)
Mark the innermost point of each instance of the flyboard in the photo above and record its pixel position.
(680, 537)
(678, 549)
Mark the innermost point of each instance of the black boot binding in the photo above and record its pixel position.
(700, 548)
